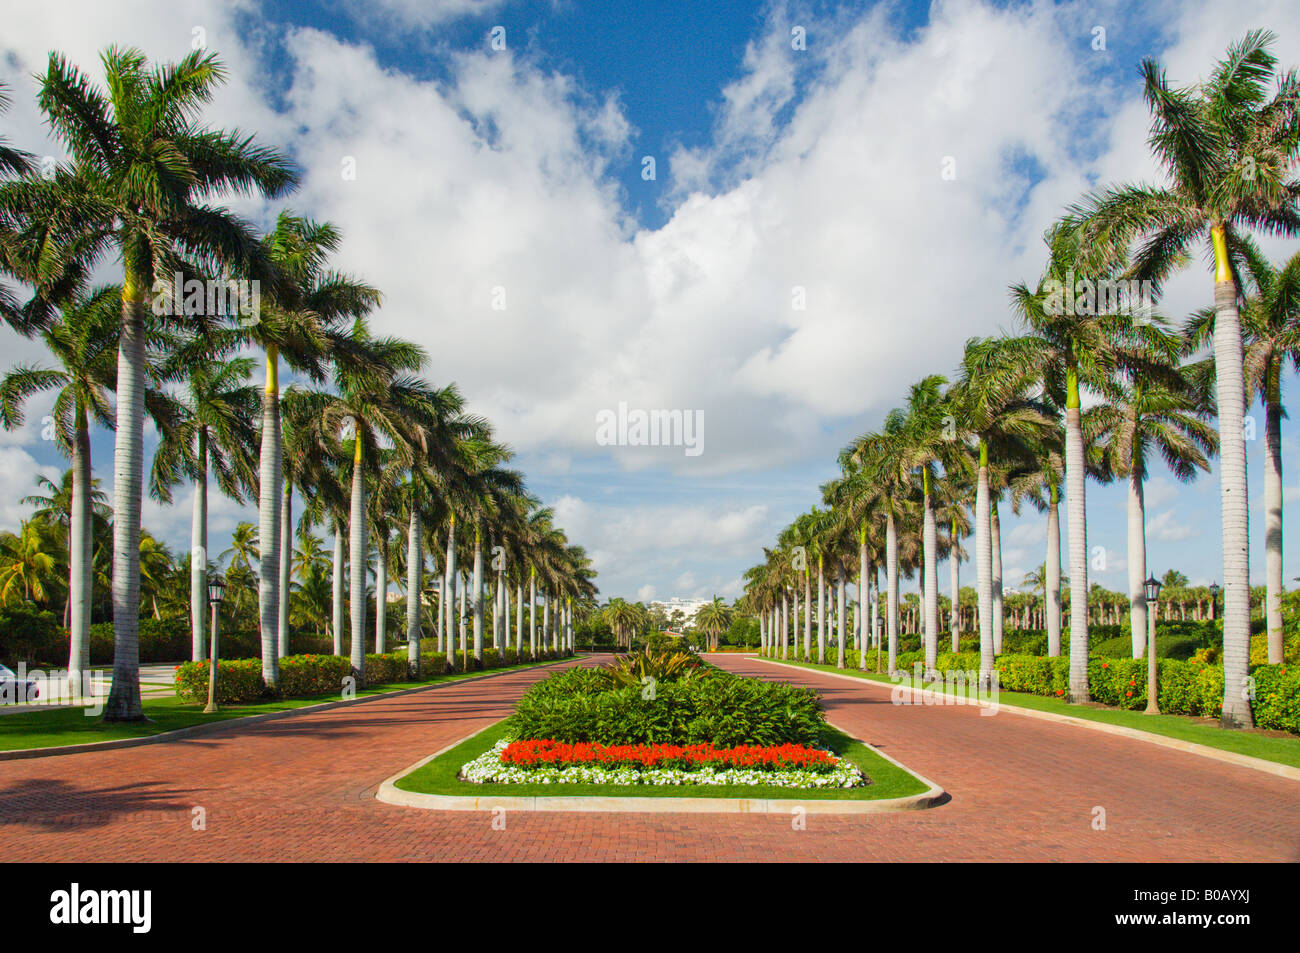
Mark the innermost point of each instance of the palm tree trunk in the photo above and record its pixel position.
(891, 583)
(381, 593)
(123, 702)
(821, 612)
(930, 541)
(448, 595)
(476, 598)
(954, 610)
(199, 555)
(1053, 582)
(546, 616)
(464, 638)
(519, 619)
(864, 593)
(80, 579)
(1231, 397)
(337, 614)
(532, 612)
(414, 590)
(286, 565)
(359, 559)
(995, 541)
(268, 522)
(1273, 521)
(843, 628)
(807, 616)
(1074, 477)
(984, 564)
(1137, 563)
(785, 624)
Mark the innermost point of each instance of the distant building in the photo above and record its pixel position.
(687, 607)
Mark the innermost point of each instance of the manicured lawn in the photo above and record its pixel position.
(1203, 731)
(51, 727)
(439, 776)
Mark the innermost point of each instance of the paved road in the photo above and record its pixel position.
(302, 789)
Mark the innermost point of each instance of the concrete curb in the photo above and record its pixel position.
(389, 793)
(25, 753)
(1275, 768)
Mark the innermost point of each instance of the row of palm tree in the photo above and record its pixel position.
(364, 439)
(1012, 426)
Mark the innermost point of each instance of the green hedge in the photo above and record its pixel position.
(238, 680)
(714, 707)
(307, 676)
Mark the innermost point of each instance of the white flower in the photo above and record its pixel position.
(487, 768)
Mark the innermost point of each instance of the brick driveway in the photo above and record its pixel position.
(302, 788)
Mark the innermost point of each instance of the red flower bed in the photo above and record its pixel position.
(538, 752)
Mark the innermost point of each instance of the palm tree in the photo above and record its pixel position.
(305, 453)
(84, 342)
(713, 618)
(931, 442)
(213, 435)
(1227, 151)
(244, 549)
(303, 323)
(1141, 418)
(377, 399)
(28, 564)
(621, 616)
(1270, 319)
(116, 197)
(994, 410)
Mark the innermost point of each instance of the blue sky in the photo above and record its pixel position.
(782, 174)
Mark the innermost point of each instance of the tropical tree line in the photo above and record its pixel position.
(395, 470)
(1010, 428)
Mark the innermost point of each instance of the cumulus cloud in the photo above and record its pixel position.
(815, 261)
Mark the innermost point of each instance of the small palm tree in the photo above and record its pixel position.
(712, 619)
(28, 564)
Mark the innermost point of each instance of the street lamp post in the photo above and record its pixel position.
(216, 591)
(1214, 598)
(1153, 594)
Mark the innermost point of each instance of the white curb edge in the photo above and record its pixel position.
(389, 793)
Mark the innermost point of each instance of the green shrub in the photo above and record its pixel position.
(717, 707)
(238, 680)
(32, 635)
(302, 676)
(432, 664)
(383, 669)
(1277, 697)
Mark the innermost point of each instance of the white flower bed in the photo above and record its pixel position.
(487, 768)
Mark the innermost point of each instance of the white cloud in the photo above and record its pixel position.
(1166, 527)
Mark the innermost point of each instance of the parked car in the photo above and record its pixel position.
(14, 689)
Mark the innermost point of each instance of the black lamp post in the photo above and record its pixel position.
(1153, 596)
(216, 592)
(1214, 598)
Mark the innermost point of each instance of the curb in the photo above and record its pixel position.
(25, 753)
(389, 793)
(1290, 772)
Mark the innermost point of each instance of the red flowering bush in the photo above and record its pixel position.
(542, 751)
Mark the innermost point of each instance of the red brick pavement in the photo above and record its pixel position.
(302, 788)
